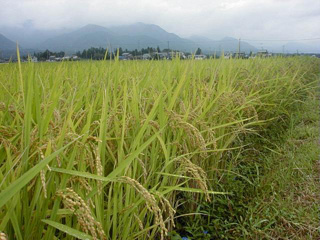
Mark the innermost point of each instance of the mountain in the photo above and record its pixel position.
(207, 45)
(293, 47)
(29, 36)
(8, 48)
(133, 36)
(85, 37)
(232, 44)
(143, 29)
(6, 44)
(201, 40)
(161, 38)
(95, 36)
(129, 37)
(227, 44)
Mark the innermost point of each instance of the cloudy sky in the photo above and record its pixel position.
(251, 19)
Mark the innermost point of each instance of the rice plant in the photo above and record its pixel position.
(104, 149)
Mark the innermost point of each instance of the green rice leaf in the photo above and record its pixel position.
(68, 230)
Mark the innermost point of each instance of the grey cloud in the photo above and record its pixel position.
(239, 18)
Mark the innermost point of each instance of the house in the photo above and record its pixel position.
(75, 58)
(146, 56)
(199, 57)
(180, 55)
(262, 53)
(52, 58)
(227, 55)
(66, 58)
(34, 59)
(126, 56)
(196, 57)
(159, 55)
(138, 57)
(240, 55)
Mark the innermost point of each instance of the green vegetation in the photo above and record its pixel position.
(283, 200)
(287, 198)
(128, 150)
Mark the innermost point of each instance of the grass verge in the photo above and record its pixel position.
(287, 202)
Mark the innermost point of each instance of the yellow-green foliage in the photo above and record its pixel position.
(102, 149)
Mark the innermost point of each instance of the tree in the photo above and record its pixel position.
(198, 52)
(158, 49)
(59, 54)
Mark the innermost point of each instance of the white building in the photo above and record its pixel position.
(146, 56)
(199, 57)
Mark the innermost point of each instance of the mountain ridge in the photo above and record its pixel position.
(130, 37)
(136, 36)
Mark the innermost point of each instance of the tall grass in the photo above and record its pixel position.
(103, 150)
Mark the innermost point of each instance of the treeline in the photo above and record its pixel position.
(99, 53)
(46, 55)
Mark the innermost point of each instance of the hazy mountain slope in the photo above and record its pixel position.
(162, 38)
(8, 48)
(6, 44)
(129, 37)
(85, 37)
(226, 44)
(142, 29)
(293, 47)
(232, 44)
(30, 37)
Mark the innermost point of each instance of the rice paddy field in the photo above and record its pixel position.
(127, 150)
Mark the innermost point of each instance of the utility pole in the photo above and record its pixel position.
(283, 49)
